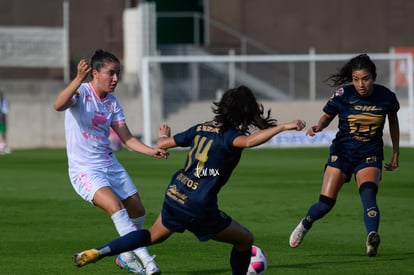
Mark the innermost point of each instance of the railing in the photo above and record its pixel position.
(148, 77)
(198, 18)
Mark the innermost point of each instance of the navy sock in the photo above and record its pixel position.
(368, 192)
(318, 210)
(127, 242)
(239, 261)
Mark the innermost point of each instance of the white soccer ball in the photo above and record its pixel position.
(258, 262)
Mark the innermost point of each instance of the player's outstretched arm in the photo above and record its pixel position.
(261, 136)
(135, 144)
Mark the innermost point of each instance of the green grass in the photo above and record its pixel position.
(43, 221)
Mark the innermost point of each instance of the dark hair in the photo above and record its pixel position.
(344, 75)
(238, 109)
(100, 58)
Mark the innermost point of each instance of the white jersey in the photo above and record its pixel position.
(87, 128)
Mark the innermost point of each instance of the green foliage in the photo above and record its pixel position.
(43, 221)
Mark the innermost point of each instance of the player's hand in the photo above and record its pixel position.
(294, 125)
(83, 69)
(160, 153)
(300, 124)
(392, 165)
(313, 130)
(164, 131)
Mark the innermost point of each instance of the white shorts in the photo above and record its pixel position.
(87, 181)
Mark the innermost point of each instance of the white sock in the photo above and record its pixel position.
(142, 252)
(124, 225)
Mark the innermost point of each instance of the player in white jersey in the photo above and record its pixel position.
(91, 110)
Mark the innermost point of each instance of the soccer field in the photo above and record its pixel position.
(43, 221)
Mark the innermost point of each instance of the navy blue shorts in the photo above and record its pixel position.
(205, 228)
(352, 166)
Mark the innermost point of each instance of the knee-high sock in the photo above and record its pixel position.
(368, 193)
(239, 261)
(142, 252)
(124, 225)
(126, 243)
(318, 210)
(122, 222)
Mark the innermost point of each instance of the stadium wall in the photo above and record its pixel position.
(33, 122)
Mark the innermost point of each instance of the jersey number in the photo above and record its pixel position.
(201, 149)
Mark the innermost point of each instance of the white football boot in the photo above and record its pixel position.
(151, 267)
(297, 235)
(128, 261)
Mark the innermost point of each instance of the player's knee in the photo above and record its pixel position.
(250, 239)
(245, 242)
(327, 200)
(326, 203)
(368, 185)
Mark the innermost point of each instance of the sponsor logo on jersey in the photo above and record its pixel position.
(367, 108)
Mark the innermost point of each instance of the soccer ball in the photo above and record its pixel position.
(258, 262)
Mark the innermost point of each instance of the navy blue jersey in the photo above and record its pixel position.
(361, 120)
(210, 162)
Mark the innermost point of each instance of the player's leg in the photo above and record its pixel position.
(135, 239)
(125, 189)
(94, 186)
(367, 180)
(106, 199)
(125, 243)
(333, 180)
(242, 241)
(157, 233)
(136, 212)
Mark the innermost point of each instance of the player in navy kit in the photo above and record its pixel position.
(190, 201)
(362, 108)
